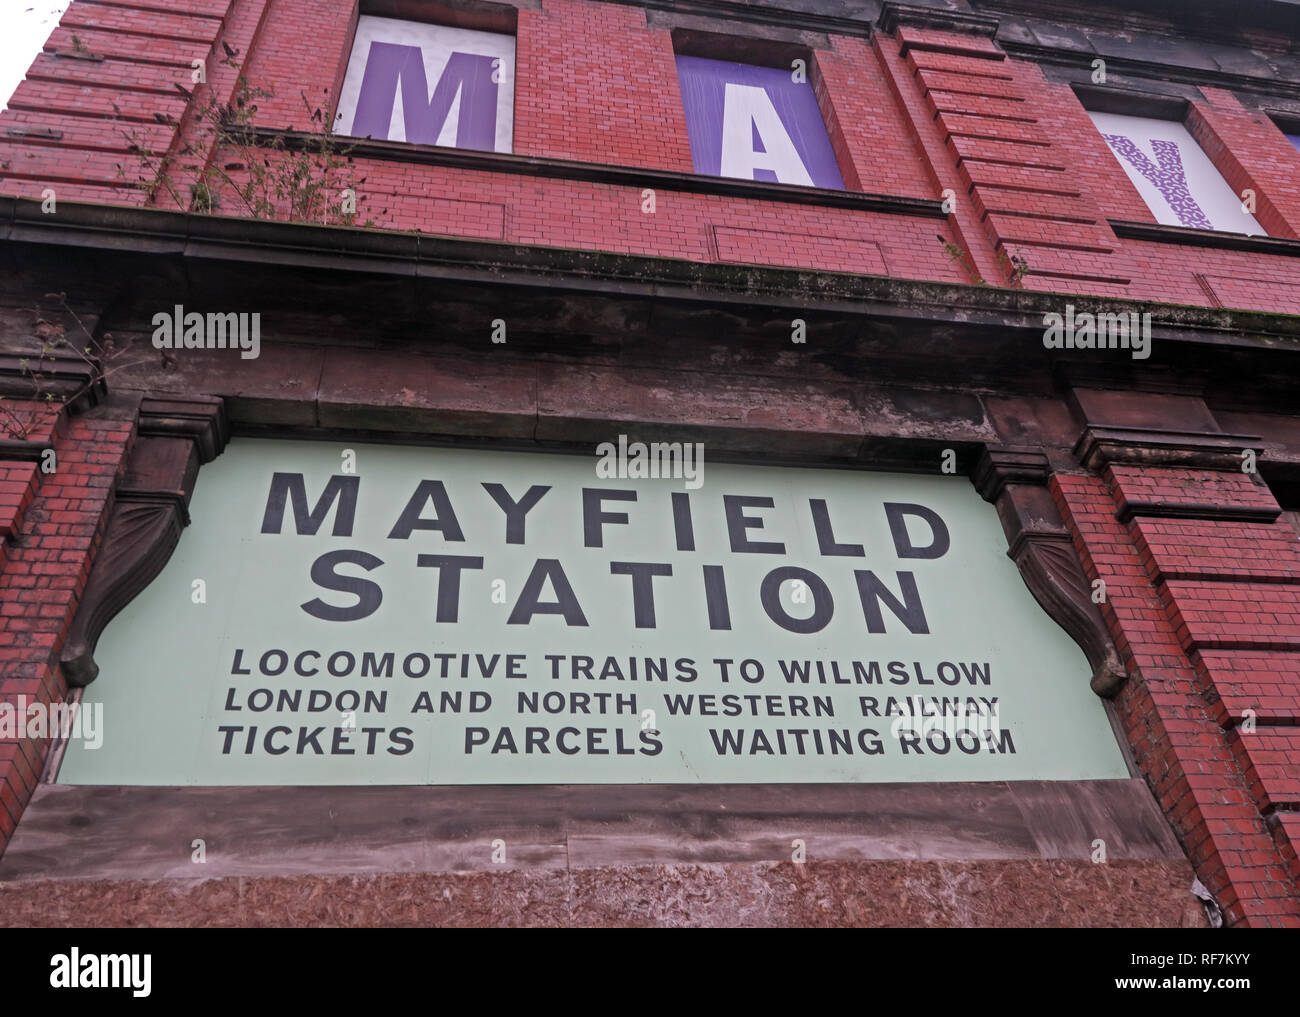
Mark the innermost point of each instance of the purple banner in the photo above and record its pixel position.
(756, 123)
(1295, 140)
(390, 66)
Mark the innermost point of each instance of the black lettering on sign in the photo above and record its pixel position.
(594, 515)
(826, 541)
(515, 510)
(643, 593)
(412, 516)
(529, 602)
(449, 567)
(823, 605)
(903, 546)
(291, 486)
(873, 592)
(737, 523)
(325, 575)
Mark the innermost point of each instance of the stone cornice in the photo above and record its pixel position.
(898, 15)
(204, 239)
(1118, 66)
(730, 10)
(1100, 446)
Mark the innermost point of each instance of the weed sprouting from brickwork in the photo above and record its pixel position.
(227, 165)
(958, 255)
(1017, 266)
(46, 369)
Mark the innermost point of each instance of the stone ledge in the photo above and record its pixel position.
(672, 181)
(1101, 446)
(132, 833)
(898, 893)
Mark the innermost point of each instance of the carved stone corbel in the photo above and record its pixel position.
(175, 436)
(1015, 481)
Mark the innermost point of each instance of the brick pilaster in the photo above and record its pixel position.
(1046, 231)
(48, 552)
(1203, 600)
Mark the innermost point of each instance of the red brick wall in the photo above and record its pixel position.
(1206, 615)
(1251, 153)
(593, 83)
(52, 522)
(909, 114)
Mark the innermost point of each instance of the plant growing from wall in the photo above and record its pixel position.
(957, 254)
(1017, 266)
(237, 169)
(43, 391)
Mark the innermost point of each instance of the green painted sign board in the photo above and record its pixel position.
(404, 615)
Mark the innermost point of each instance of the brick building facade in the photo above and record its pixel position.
(980, 198)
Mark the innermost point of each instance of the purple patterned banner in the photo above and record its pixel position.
(1168, 177)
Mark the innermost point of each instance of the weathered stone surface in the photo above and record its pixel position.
(986, 894)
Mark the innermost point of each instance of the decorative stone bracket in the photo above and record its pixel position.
(175, 436)
(1015, 481)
